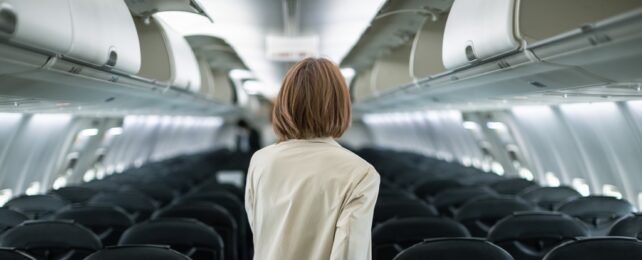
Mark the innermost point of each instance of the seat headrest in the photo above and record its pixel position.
(397, 230)
(601, 248)
(459, 196)
(492, 207)
(431, 187)
(75, 194)
(537, 225)
(95, 215)
(137, 252)
(131, 201)
(10, 218)
(629, 226)
(454, 249)
(13, 254)
(596, 206)
(37, 205)
(512, 186)
(548, 197)
(206, 212)
(164, 232)
(50, 234)
(403, 209)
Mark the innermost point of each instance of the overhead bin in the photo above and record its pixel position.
(505, 26)
(146, 8)
(425, 56)
(98, 32)
(392, 71)
(166, 55)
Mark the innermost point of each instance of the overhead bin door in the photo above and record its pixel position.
(99, 32)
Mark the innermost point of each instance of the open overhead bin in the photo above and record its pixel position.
(425, 55)
(146, 8)
(166, 55)
(75, 29)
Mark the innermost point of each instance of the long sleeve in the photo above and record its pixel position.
(249, 199)
(352, 238)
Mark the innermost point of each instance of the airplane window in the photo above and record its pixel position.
(60, 182)
(611, 190)
(526, 174)
(581, 186)
(90, 175)
(33, 189)
(466, 161)
(552, 180)
(5, 195)
(477, 163)
(497, 168)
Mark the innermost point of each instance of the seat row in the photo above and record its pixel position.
(176, 206)
(456, 208)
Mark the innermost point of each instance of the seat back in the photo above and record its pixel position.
(429, 188)
(52, 239)
(108, 223)
(75, 194)
(529, 236)
(449, 201)
(137, 204)
(36, 206)
(13, 254)
(454, 249)
(602, 248)
(549, 198)
(190, 237)
(599, 212)
(402, 209)
(137, 252)
(629, 226)
(481, 214)
(512, 186)
(10, 218)
(391, 237)
(209, 214)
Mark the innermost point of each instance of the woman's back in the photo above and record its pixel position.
(310, 199)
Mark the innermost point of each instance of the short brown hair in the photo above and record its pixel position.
(313, 102)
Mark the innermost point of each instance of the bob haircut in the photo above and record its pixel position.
(313, 102)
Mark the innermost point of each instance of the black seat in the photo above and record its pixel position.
(190, 237)
(209, 214)
(214, 186)
(391, 237)
(75, 194)
(454, 249)
(629, 226)
(10, 218)
(602, 248)
(598, 212)
(137, 252)
(107, 222)
(402, 209)
(13, 254)
(549, 198)
(512, 186)
(36, 206)
(234, 206)
(158, 191)
(529, 236)
(481, 214)
(138, 205)
(52, 239)
(429, 188)
(449, 201)
(102, 185)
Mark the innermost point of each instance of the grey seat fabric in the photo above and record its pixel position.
(107, 222)
(138, 205)
(137, 252)
(10, 218)
(402, 209)
(598, 212)
(37, 206)
(602, 248)
(13, 254)
(529, 236)
(454, 249)
(628, 226)
(75, 194)
(448, 202)
(512, 186)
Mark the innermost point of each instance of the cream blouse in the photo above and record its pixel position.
(310, 199)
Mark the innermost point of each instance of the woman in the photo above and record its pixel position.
(307, 197)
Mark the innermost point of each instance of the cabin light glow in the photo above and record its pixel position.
(90, 175)
(470, 125)
(6, 194)
(88, 132)
(498, 126)
(33, 189)
(639, 200)
(497, 168)
(115, 131)
(252, 87)
(581, 186)
(611, 190)
(552, 180)
(60, 182)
